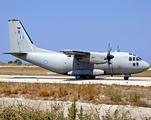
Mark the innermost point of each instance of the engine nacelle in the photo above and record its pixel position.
(94, 58)
(91, 72)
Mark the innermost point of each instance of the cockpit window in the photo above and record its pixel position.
(134, 55)
(133, 58)
(130, 58)
(130, 53)
(138, 59)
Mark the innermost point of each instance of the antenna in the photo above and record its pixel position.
(118, 50)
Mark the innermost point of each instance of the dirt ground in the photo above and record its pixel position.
(135, 112)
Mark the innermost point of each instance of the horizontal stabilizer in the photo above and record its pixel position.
(18, 54)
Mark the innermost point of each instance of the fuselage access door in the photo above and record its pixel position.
(117, 65)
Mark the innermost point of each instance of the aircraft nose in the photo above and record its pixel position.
(145, 66)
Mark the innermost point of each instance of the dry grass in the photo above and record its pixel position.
(143, 74)
(15, 64)
(24, 71)
(98, 94)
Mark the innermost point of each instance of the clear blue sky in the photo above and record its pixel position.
(87, 25)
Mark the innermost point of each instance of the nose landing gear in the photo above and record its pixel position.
(126, 77)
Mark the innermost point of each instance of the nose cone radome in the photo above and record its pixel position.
(145, 66)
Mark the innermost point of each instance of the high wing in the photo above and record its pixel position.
(88, 57)
(71, 52)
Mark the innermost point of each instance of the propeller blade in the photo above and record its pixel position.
(109, 56)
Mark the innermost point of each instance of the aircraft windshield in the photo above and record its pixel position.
(134, 57)
(138, 58)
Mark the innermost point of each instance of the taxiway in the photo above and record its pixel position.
(141, 81)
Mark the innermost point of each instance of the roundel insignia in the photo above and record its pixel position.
(45, 61)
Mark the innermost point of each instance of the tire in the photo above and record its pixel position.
(87, 77)
(126, 78)
(78, 77)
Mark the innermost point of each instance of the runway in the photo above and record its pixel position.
(141, 81)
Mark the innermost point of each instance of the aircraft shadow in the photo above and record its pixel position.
(67, 79)
(34, 78)
(84, 79)
(23, 78)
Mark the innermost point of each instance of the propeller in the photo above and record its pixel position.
(109, 56)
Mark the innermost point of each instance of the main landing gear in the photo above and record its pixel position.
(85, 77)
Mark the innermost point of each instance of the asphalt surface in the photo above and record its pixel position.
(141, 81)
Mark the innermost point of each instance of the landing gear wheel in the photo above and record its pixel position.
(78, 77)
(92, 77)
(126, 78)
(82, 77)
(87, 77)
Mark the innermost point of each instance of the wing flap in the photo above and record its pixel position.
(87, 57)
(71, 52)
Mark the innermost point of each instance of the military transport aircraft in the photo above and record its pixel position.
(81, 64)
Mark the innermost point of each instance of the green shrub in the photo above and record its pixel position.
(72, 110)
(10, 62)
(19, 62)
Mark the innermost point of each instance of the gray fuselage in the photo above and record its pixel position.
(61, 63)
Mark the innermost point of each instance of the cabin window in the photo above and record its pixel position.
(137, 64)
(134, 64)
(133, 58)
(130, 58)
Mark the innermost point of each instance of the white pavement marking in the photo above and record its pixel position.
(141, 81)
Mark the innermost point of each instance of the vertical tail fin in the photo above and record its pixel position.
(19, 40)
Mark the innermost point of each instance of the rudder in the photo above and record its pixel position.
(19, 40)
